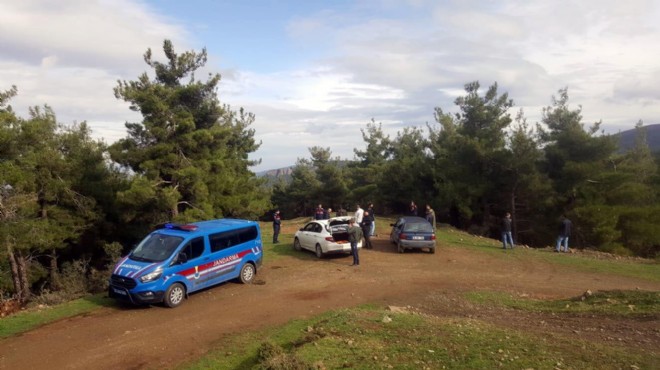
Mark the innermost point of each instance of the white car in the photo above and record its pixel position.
(324, 236)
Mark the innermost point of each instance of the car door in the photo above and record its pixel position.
(307, 236)
(316, 235)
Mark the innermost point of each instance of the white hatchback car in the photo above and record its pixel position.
(324, 236)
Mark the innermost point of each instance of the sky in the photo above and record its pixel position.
(314, 72)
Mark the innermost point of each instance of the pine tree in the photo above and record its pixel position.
(190, 153)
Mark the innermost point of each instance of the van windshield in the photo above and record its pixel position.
(155, 248)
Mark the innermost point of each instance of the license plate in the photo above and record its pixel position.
(119, 291)
(418, 238)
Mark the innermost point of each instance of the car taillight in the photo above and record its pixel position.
(402, 236)
(329, 238)
(433, 237)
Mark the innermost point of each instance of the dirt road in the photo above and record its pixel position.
(298, 287)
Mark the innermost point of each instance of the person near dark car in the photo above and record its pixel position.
(564, 233)
(412, 209)
(354, 237)
(506, 231)
(277, 222)
(366, 229)
(430, 215)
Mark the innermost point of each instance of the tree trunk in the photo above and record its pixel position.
(23, 265)
(18, 266)
(55, 281)
(514, 226)
(14, 273)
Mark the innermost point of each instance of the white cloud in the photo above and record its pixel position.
(388, 60)
(69, 55)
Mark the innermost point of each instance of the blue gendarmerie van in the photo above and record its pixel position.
(175, 260)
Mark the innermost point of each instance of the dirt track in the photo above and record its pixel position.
(157, 337)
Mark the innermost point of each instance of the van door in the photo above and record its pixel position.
(190, 263)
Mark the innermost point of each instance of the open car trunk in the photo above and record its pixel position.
(339, 231)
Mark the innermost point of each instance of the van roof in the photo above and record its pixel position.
(205, 227)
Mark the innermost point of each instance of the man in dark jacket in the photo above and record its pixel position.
(366, 229)
(506, 231)
(564, 233)
(319, 213)
(354, 237)
(372, 215)
(412, 209)
(276, 225)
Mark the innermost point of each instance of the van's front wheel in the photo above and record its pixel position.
(247, 273)
(174, 295)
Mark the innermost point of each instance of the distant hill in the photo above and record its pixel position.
(627, 138)
(272, 176)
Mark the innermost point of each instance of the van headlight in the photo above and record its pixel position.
(151, 276)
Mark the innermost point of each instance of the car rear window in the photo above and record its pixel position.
(420, 227)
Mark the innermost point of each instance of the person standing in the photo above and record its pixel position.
(327, 214)
(359, 214)
(412, 209)
(319, 213)
(506, 231)
(354, 236)
(430, 215)
(564, 233)
(372, 215)
(366, 229)
(276, 226)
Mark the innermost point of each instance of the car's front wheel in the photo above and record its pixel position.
(174, 295)
(319, 251)
(296, 244)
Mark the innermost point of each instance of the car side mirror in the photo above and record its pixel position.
(301, 229)
(183, 258)
(391, 224)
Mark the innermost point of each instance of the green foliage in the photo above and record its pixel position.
(470, 155)
(407, 175)
(190, 153)
(639, 230)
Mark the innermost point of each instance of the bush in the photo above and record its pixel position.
(639, 231)
(273, 357)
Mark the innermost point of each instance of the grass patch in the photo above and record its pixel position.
(615, 302)
(642, 269)
(366, 338)
(33, 318)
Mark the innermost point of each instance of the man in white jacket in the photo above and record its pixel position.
(359, 213)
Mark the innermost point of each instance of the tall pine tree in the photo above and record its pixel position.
(190, 153)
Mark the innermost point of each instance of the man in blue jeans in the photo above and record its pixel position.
(506, 231)
(564, 233)
(354, 236)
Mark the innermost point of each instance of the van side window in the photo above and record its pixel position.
(194, 248)
(231, 238)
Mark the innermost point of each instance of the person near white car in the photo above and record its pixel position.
(359, 214)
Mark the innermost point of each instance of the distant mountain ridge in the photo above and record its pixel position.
(275, 175)
(627, 138)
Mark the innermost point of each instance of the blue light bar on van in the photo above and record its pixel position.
(188, 227)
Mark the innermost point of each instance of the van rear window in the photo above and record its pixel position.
(226, 239)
